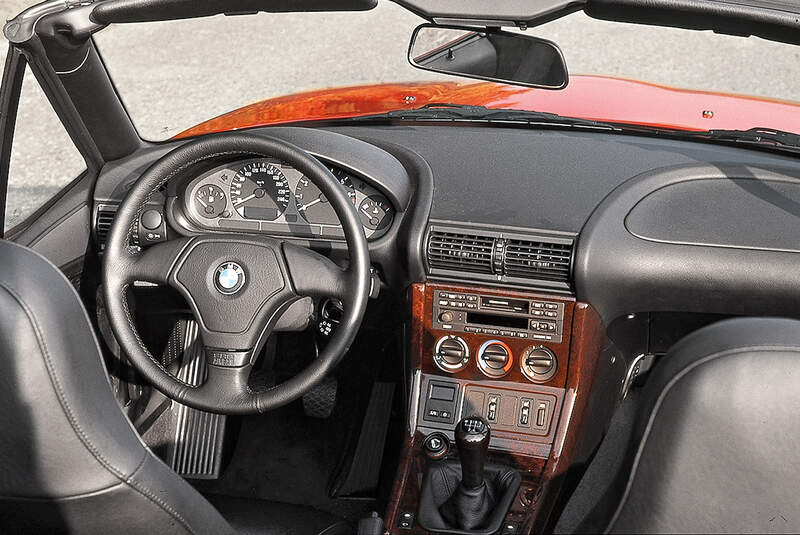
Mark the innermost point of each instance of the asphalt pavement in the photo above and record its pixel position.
(173, 75)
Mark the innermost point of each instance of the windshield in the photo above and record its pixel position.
(174, 75)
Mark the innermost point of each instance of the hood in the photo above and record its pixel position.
(589, 97)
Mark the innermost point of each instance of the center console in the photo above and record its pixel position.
(522, 362)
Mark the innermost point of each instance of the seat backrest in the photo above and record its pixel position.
(70, 461)
(716, 444)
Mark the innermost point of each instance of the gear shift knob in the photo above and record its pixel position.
(472, 439)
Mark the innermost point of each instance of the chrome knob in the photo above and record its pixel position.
(538, 364)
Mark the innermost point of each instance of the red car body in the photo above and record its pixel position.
(591, 97)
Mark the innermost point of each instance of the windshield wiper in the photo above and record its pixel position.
(755, 136)
(462, 112)
(759, 136)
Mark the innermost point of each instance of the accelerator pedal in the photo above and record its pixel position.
(320, 401)
(360, 478)
(196, 452)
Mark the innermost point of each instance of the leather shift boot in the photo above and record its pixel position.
(468, 508)
(446, 507)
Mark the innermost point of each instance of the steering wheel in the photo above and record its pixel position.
(237, 286)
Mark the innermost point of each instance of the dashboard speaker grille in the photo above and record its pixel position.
(461, 252)
(537, 259)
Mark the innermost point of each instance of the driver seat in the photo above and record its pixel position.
(70, 461)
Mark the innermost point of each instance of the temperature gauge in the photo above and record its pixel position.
(210, 201)
(376, 212)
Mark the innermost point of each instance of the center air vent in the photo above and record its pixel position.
(461, 252)
(537, 260)
(527, 260)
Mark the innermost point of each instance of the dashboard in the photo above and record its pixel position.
(272, 197)
(626, 223)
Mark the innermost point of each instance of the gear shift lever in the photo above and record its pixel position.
(472, 439)
(473, 497)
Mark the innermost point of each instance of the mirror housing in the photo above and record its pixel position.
(488, 54)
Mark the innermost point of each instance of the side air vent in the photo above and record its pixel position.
(538, 260)
(104, 218)
(543, 259)
(460, 252)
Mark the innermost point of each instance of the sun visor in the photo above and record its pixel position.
(519, 13)
(121, 11)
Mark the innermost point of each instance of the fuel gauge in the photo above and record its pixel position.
(376, 212)
(210, 201)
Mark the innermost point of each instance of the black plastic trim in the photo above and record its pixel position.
(619, 273)
(10, 89)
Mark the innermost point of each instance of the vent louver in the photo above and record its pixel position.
(537, 260)
(460, 252)
(103, 221)
(512, 257)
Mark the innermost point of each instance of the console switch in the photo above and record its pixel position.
(525, 412)
(491, 409)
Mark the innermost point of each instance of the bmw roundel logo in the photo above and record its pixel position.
(229, 278)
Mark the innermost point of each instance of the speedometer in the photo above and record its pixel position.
(259, 190)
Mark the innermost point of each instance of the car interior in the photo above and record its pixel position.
(405, 323)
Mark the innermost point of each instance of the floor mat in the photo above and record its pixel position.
(275, 460)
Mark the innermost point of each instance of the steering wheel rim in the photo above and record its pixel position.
(274, 273)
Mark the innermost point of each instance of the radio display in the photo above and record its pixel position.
(497, 321)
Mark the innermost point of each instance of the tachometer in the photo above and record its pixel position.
(259, 190)
(312, 203)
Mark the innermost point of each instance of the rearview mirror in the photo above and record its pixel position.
(488, 55)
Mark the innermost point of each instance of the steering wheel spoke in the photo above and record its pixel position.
(227, 385)
(314, 275)
(156, 263)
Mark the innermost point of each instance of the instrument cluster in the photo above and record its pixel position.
(269, 196)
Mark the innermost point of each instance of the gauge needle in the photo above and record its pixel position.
(201, 202)
(312, 203)
(365, 209)
(240, 201)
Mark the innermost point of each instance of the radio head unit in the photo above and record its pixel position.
(535, 319)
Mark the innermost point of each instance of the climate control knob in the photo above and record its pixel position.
(451, 353)
(538, 364)
(494, 358)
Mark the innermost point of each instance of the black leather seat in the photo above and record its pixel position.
(714, 447)
(70, 461)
